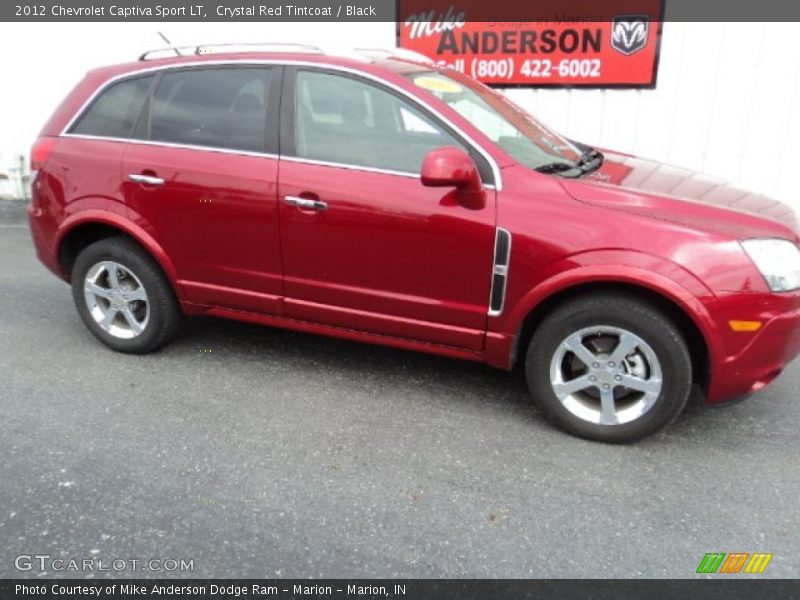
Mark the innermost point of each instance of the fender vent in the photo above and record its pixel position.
(502, 254)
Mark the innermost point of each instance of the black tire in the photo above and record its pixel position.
(164, 313)
(612, 310)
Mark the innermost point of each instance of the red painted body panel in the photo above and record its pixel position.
(699, 195)
(394, 262)
(387, 247)
(216, 217)
(752, 360)
(403, 343)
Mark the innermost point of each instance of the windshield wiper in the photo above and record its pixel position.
(561, 168)
(590, 160)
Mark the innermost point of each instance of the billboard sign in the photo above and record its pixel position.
(621, 51)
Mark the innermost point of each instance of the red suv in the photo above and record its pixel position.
(392, 201)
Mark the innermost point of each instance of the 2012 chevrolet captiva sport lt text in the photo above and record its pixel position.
(391, 201)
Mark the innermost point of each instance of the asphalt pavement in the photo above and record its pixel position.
(256, 452)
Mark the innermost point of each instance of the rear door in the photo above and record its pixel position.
(90, 153)
(201, 176)
(379, 251)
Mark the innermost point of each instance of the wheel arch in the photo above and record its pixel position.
(700, 348)
(77, 233)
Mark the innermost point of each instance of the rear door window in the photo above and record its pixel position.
(216, 108)
(114, 112)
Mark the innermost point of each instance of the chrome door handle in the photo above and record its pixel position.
(148, 179)
(305, 203)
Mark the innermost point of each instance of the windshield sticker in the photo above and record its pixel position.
(437, 84)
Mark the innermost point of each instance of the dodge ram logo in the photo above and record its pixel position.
(629, 33)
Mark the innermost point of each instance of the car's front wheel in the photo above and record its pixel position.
(123, 297)
(609, 367)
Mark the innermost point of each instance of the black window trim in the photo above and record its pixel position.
(496, 183)
(140, 132)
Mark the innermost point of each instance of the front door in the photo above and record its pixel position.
(202, 179)
(365, 245)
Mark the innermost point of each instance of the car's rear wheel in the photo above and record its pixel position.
(610, 368)
(123, 297)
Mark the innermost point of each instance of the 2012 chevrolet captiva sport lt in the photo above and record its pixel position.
(391, 201)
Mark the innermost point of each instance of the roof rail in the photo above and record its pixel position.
(203, 49)
(403, 53)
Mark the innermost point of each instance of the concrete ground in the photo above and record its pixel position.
(257, 452)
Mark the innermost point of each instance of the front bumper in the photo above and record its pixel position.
(761, 356)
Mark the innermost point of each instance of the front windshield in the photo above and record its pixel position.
(499, 119)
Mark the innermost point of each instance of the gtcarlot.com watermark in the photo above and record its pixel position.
(47, 563)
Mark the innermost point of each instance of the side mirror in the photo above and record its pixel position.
(449, 166)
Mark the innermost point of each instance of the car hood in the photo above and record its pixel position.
(681, 195)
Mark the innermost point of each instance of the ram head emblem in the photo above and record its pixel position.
(629, 33)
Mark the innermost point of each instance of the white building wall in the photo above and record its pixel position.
(727, 100)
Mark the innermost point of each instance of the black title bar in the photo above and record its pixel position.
(439, 13)
(400, 589)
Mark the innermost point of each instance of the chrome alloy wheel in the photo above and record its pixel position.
(116, 299)
(606, 375)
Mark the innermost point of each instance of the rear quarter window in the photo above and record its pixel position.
(115, 111)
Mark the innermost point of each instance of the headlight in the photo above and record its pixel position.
(778, 261)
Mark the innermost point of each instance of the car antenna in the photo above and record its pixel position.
(170, 44)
